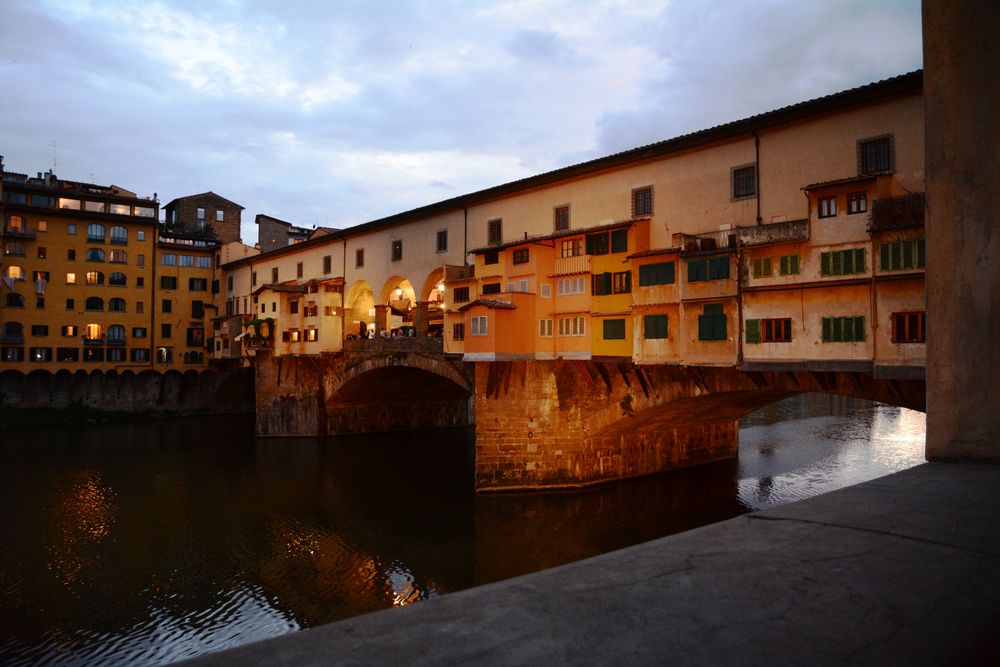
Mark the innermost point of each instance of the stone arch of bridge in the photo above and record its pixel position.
(430, 291)
(359, 304)
(369, 378)
(397, 288)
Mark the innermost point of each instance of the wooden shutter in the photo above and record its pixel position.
(753, 331)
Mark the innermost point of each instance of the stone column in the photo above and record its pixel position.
(381, 319)
(420, 319)
(962, 96)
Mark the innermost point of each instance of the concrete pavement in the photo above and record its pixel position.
(904, 569)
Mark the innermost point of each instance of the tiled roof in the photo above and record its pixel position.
(496, 304)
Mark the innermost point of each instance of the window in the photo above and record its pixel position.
(298, 270)
(197, 309)
(39, 302)
(359, 258)
(42, 200)
(546, 291)
(69, 330)
(442, 240)
(567, 286)
(140, 281)
(71, 229)
(600, 284)
(788, 265)
(491, 288)
(41, 252)
(116, 305)
(166, 331)
(253, 279)
(220, 216)
(95, 255)
(72, 204)
(876, 155)
(67, 354)
(312, 334)
(519, 256)
(642, 202)
(661, 273)
(138, 332)
(215, 287)
(140, 260)
(43, 226)
(460, 294)
(13, 248)
(775, 330)
(572, 326)
(713, 268)
(844, 329)
(621, 282)
(94, 278)
(169, 259)
(13, 354)
(480, 325)
(654, 326)
(116, 334)
(200, 214)
(95, 233)
(327, 268)
(762, 267)
(70, 305)
(458, 332)
(744, 181)
(572, 247)
(187, 260)
(140, 235)
(614, 329)
(842, 262)
(909, 327)
(274, 275)
(168, 282)
(203, 262)
(71, 254)
(166, 306)
(13, 332)
(70, 278)
(195, 336)
(140, 307)
(116, 354)
(197, 284)
(120, 209)
(561, 218)
(827, 207)
(39, 330)
(229, 283)
(597, 244)
(903, 254)
(93, 303)
(40, 354)
(545, 328)
(293, 307)
(140, 354)
(118, 257)
(15, 272)
(494, 232)
(712, 322)
(119, 235)
(13, 300)
(491, 257)
(857, 202)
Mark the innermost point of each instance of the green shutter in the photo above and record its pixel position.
(655, 326)
(921, 253)
(884, 257)
(590, 245)
(827, 329)
(825, 264)
(619, 240)
(859, 328)
(908, 259)
(628, 281)
(753, 331)
(859, 260)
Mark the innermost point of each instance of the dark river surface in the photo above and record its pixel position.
(144, 543)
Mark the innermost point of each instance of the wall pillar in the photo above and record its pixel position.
(962, 95)
(420, 319)
(381, 318)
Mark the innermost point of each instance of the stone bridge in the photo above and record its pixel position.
(541, 424)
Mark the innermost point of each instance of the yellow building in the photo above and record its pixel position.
(77, 272)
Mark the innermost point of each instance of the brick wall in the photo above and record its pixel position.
(186, 215)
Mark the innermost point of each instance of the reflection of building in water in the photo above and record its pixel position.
(86, 514)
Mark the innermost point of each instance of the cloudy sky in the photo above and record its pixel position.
(331, 112)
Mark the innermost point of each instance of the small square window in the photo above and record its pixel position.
(220, 216)
(876, 155)
(744, 181)
(298, 270)
(561, 218)
(201, 214)
(642, 202)
(520, 256)
(359, 258)
(857, 202)
(494, 232)
(397, 250)
(827, 207)
(274, 275)
(442, 240)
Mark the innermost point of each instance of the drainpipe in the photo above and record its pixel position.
(739, 304)
(756, 170)
(151, 290)
(465, 236)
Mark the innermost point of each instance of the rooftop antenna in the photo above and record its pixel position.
(55, 155)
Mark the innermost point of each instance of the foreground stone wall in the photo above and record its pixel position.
(225, 389)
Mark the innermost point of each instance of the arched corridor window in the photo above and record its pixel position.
(116, 334)
(116, 305)
(118, 279)
(94, 303)
(95, 255)
(94, 278)
(13, 332)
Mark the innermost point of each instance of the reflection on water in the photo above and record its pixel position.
(148, 543)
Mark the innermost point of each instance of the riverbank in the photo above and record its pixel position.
(902, 569)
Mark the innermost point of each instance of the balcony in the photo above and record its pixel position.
(17, 233)
(381, 345)
(777, 232)
(13, 339)
(99, 340)
(456, 273)
(898, 212)
(568, 265)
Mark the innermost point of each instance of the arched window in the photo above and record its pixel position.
(94, 303)
(13, 332)
(14, 300)
(119, 235)
(95, 232)
(92, 332)
(15, 223)
(116, 334)
(13, 271)
(118, 257)
(94, 278)
(116, 305)
(118, 279)
(95, 255)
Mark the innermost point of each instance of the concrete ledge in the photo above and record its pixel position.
(900, 570)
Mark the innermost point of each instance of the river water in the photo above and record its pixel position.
(145, 543)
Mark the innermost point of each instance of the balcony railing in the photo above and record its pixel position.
(398, 344)
(99, 340)
(18, 233)
(578, 264)
(13, 339)
(776, 232)
(896, 212)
